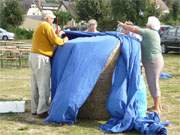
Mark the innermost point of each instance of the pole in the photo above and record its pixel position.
(57, 29)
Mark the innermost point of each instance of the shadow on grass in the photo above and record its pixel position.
(95, 124)
(27, 119)
(172, 53)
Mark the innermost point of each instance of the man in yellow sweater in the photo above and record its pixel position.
(43, 42)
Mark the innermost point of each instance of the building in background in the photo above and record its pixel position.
(162, 6)
(33, 10)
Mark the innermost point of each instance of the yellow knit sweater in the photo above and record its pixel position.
(44, 39)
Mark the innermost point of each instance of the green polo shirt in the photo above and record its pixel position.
(151, 48)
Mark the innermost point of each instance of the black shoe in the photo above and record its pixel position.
(34, 113)
(42, 115)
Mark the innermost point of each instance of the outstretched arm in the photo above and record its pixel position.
(131, 28)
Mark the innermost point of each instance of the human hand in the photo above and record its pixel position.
(128, 23)
(65, 39)
(120, 23)
(61, 33)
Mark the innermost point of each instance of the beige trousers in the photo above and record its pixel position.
(40, 82)
(152, 71)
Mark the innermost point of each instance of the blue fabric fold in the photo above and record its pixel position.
(127, 82)
(75, 69)
(164, 75)
(127, 100)
(151, 125)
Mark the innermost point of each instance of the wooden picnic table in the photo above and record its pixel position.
(13, 53)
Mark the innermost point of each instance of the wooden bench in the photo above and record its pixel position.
(7, 43)
(13, 54)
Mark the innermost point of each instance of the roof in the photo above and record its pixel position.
(50, 6)
(70, 7)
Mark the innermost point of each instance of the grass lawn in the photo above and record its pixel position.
(14, 85)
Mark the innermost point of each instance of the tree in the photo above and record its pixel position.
(1, 6)
(136, 11)
(96, 9)
(63, 17)
(173, 18)
(88, 9)
(11, 14)
(176, 9)
(168, 2)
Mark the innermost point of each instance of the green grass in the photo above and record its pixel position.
(15, 85)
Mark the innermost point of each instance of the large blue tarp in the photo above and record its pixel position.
(75, 70)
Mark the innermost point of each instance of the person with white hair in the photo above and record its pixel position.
(92, 26)
(152, 58)
(43, 42)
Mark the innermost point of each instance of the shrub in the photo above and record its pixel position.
(22, 33)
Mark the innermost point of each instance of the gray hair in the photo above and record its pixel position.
(92, 22)
(47, 13)
(154, 23)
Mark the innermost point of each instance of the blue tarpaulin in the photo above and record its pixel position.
(165, 75)
(75, 70)
(151, 125)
